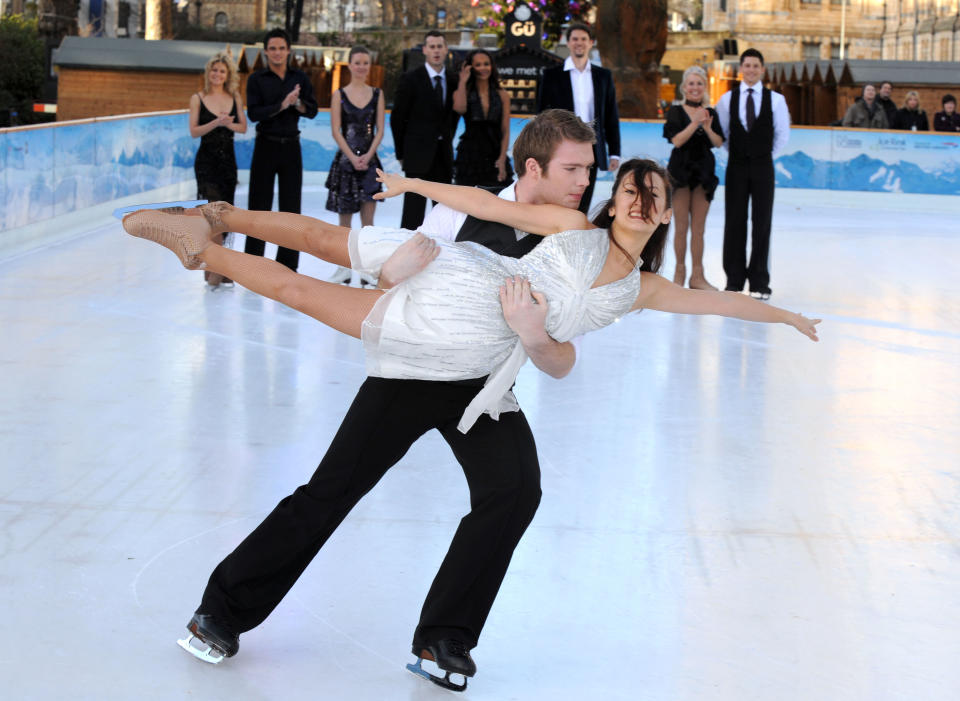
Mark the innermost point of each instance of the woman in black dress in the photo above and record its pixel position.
(216, 113)
(482, 151)
(356, 118)
(693, 129)
(910, 117)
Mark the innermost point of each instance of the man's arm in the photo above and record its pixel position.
(611, 127)
(525, 312)
(723, 115)
(308, 100)
(781, 123)
(257, 110)
(400, 114)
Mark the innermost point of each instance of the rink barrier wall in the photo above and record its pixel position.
(53, 170)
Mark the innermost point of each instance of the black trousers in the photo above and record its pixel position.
(748, 184)
(584, 205)
(414, 205)
(499, 459)
(283, 162)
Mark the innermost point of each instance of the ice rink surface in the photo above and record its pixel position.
(730, 512)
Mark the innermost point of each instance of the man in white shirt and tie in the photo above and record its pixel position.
(756, 123)
(588, 91)
(423, 123)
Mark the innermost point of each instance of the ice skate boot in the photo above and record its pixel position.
(187, 236)
(451, 656)
(217, 639)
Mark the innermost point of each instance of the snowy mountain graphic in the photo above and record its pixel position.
(865, 173)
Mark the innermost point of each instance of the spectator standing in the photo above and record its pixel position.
(356, 119)
(694, 130)
(910, 117)
(587, 91)
(754, 135)
(885, 100)
(485, 106)
(948, 119)
(216, 114)
(277, 97)
(866, 112)
(423, 123)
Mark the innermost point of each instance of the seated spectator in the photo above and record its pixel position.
(948, 120)
(866, 112)
(910, 117)
(886, 102)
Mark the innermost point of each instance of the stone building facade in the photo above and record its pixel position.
(796, 30)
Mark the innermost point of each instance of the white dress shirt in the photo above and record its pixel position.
(781, 115)
(443, 79)
(583, 97)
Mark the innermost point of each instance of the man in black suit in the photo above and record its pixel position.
(756, 124)
(588, 91)
(423, 123)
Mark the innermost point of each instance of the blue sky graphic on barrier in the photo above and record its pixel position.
(55, 170)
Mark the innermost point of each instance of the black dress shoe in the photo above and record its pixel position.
(763, 294)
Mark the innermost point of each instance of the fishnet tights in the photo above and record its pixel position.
(302, 233)
(339, 307)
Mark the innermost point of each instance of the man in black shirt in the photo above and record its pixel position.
(276, 97)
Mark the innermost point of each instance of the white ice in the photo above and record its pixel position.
(730, 512)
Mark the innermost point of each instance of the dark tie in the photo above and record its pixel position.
(438, 88)
(751, 110)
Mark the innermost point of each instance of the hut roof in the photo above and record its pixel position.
(138, 54)
(860, 71)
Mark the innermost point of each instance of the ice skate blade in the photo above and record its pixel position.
(445, 682)
(211, 654)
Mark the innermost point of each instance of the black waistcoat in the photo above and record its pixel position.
(756, 144)
(499, 238)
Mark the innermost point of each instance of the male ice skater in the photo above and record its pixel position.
(553, 156)
(756, 124)
(423, 123)
(589, 92)
(277, 97)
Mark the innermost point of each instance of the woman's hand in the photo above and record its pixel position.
(395, 184)
(808, 327)
(464, 74)
(360, 162)
(224, 120)
(501, 164)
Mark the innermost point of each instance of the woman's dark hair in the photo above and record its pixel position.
(640, 168)
(358, 49)
(948, 98)
(494, 73)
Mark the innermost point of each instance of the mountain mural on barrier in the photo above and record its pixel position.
(798, 170)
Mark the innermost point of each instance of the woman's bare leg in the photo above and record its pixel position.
(296, 231)
(367, 210)
(339, 307)
(699, 206)
(681, 219)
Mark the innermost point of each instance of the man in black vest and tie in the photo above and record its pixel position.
(553, 156)
(423, 123)
(756, 124)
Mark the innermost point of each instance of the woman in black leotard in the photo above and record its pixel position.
(216, 113)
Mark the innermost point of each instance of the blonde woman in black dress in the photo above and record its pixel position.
(694, 130)
(216, 114)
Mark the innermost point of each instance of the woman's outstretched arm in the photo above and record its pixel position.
(662, 295)
(542, 219)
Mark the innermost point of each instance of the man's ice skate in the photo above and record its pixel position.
(451, 657)
(214, 641)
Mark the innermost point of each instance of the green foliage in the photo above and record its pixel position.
(556, 14)
(21, 55)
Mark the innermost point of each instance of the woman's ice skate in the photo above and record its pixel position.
(185, 235)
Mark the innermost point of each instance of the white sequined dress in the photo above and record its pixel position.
(446, 323)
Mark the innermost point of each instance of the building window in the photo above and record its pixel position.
(811, 50)
(810, 2)
(220, 22)
(723, 5)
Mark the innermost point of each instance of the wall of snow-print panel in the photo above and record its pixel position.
(56, 169)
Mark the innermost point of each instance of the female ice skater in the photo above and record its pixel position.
(448, 321)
